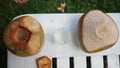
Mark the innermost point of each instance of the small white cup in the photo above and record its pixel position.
(62, 36)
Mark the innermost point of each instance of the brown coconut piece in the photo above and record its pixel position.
(97, 31)
(24, 36)
(44, 62)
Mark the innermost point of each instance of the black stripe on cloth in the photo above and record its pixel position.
(88, 61)
(54, 62)
(119, 60)
(105, 61)
(71, 62)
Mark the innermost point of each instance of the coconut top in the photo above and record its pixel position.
(99, 31)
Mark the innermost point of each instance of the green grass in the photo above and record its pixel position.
(9, 9)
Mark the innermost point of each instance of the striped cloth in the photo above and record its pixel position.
(105, 61)
(87, 62)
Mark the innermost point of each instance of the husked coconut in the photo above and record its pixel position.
(97, 31)
(24, 36)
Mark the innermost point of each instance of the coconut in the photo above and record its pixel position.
(24, 36)
(97, 31)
